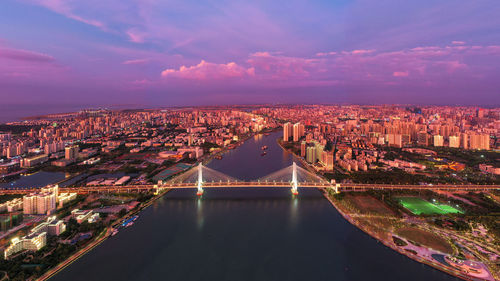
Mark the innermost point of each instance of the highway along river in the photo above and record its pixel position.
(245, 234)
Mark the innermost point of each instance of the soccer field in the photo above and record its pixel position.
(419, 206)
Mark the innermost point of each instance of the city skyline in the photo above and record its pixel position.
(188, 53)
(249, 140)
(421, 181)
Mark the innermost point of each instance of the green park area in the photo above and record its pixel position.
(419, 206)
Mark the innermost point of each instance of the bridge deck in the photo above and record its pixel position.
(341, 187)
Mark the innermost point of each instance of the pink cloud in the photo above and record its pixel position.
(135, 36)
(430, 63)
(325, 54)
(452, 66)
(206, 70)
(281, 67)
(400, 74)
(23, 55)
(358, 52)
(458, 42)
(136, 61)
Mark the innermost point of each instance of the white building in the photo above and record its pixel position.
(438, 140)
(82, 215)
(40, 203)
(31, 242)
(12, 205)
(454, 141)
(64, 198)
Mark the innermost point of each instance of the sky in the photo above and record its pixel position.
(169, 53)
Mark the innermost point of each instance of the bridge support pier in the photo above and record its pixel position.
(295, 190)
(200, 180)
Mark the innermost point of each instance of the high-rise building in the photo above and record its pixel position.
(327, 159)
(319, 150)
(71, 153)
(405, 139)
(287, 131)
(464, 141)
(479, 141)
(29, 204)
(298, 131)
(311, 154)
(480, 113)
(39, 203)
(395, 140)
(438, 140)
(303, 147)
(485, 141)
(45, 203)
(454, 141)
(422, 138)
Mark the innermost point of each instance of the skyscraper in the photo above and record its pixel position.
(454, 141)
(303, 147)
(287, 131)
(298, 131)
(438, 140)
(464, 141)
(39, 203)
(422, 138)
(71, 153)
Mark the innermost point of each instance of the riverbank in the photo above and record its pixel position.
(390, 244)
(387, 241)
(108, 231)
(105, 234)
(252, 227)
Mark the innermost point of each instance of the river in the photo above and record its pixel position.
(245, 234)
(38, 179)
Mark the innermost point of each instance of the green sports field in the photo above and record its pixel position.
(419, 206)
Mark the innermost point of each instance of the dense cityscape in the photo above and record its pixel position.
(115, 163)
(249, 140)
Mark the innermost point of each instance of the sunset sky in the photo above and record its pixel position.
(162, 53)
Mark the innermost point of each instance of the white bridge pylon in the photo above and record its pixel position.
(295, 184)
(295, 175)
(199, 175)
(200, 180)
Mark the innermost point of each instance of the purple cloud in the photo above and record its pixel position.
(263, 46)
(136, 61)
(66, 9)
(23, 55)
(400, 74)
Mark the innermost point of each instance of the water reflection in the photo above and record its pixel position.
(245, 234)
(199, 213)
(294, 212)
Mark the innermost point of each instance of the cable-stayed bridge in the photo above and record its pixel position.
(203, 177)
(293, 177)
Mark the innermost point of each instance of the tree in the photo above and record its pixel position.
(328, 146)
(122, 212)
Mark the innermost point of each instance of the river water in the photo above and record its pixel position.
(245, 234)
(38, 179)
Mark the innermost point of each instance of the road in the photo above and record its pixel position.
(341, 187)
